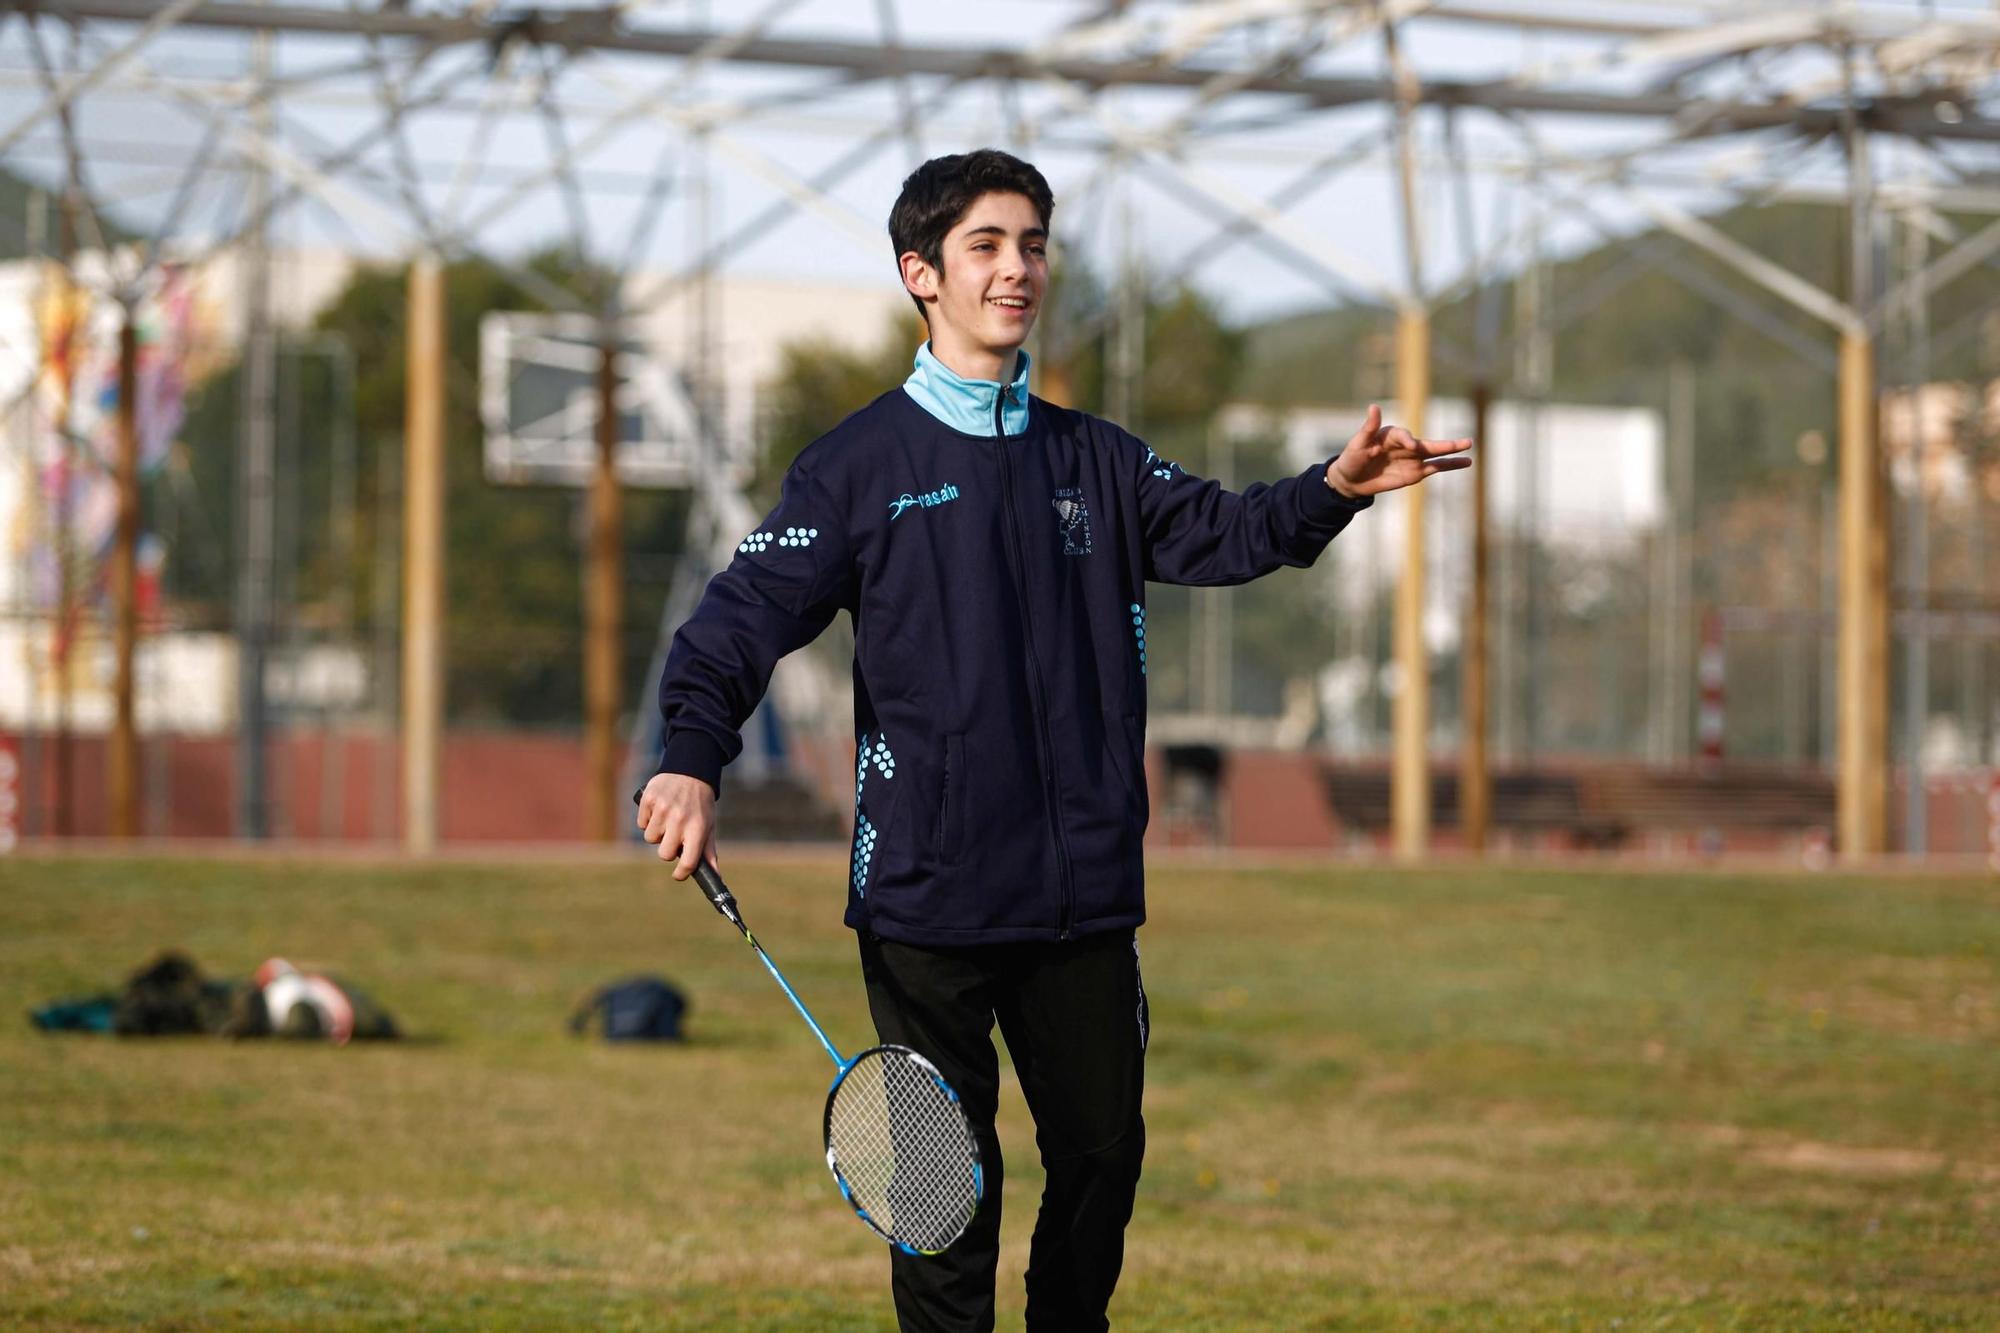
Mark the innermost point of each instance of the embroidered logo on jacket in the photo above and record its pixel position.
(942, 495)
(1074, 517)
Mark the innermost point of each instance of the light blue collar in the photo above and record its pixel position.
(964, 404)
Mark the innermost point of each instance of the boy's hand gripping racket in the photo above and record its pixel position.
(897, 1138)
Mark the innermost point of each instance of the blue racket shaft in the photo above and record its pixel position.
(710, 883)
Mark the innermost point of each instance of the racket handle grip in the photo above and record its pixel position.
(709, 880)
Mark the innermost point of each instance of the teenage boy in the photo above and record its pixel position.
(993, 551)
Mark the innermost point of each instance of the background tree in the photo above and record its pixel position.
(513, 553)
(820, 381)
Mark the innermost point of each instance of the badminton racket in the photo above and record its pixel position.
(898, 1141)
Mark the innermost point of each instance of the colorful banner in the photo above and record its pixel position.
(73, 524)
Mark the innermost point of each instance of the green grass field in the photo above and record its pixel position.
(1376, 1099)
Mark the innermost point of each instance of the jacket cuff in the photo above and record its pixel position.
(695, 754)
(1322, 503)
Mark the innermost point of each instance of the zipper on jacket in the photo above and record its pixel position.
(1035, 699)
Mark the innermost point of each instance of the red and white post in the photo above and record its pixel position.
(10, 794)
(1709, 674)
(1993, 820)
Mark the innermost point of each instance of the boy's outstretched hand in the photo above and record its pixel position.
(1387, 458)
(677, 812)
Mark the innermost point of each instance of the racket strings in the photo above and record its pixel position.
(902, 1145)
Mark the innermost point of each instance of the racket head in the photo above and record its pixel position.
(902, 1150)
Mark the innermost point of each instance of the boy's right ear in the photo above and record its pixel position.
(919, 278)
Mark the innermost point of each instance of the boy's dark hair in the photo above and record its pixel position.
(937, 195)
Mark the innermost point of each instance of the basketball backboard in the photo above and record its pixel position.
(538, 404)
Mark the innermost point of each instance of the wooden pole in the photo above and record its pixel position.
(1410, 719)
(1861, 809)
(257, 480)
(423, 566)
(1475, 786)
(62, 642)
(122, 772)
(1410, 779)
(1862, 799)
(604, 606)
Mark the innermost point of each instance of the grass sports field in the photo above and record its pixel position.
(1478, 1099)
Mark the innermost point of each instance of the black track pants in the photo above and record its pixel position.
(1074, 1016)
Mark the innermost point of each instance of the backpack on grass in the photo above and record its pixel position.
(637, 1009)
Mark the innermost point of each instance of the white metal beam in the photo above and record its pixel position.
(663, 99)
(589, 30)
(1766, 273)
(1147, 149)
(60, 99)
(1726, 38)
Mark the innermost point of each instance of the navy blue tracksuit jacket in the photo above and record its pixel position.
(997, 586)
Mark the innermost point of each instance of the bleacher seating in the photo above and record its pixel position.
(1606, 805)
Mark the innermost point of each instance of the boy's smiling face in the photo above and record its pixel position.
(984, 302)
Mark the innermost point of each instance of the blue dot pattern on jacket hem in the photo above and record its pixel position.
(865, 832)
(858, 871)
(864, 852)
(1139, 632)
(754, 544)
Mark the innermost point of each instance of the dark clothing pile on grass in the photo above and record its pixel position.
(171, 997)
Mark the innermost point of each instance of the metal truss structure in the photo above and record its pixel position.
(429, 131)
